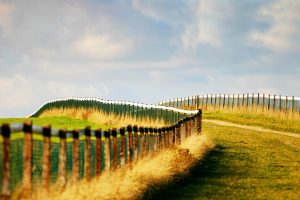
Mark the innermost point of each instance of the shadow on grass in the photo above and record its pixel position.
(199, 182)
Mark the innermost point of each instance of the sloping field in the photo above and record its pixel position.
(245, 164)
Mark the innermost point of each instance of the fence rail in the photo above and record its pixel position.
(232, 101)
(32, 154)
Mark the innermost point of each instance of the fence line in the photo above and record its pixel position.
(231, 101)
(31, 154)
(121, 108)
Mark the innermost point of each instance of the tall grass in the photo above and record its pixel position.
(131, 182)
(100, 117)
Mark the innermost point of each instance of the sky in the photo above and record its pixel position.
(145, 50)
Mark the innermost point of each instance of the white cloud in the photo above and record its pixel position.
(284, 17)
(102, 46)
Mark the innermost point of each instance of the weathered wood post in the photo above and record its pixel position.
(232, 102)
(286, 105)
(155, 139)
(136, 142)
(122, 146)
(269, 101)
(280, 102)
(115, 149)
(263, 103)
(87, 153)
(224, 101)
(293, 104)
(274, 103)
(27, 170)
(238, 101)
(252, 101)
(142, 139)
(199, 121)
(107, 150)
(151, 133)
(6, 162)
(46, 157)
(98, 153)
(62, 171)
(75, 170)
(146, 141)
(247, 105)
(130, 143)
(177, 132)
(219, 101)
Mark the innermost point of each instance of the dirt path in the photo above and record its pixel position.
(254, 128)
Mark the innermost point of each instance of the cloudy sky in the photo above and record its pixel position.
(145, 50)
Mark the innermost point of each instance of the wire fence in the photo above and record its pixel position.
(120, 108)
(240, 101)
(32, 155)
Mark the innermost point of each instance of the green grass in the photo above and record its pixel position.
(266, 121)
(244, 165)
(56, 122)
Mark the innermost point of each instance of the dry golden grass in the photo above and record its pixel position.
(132, 182)
(100, 117)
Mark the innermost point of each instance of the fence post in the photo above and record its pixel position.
(293, 104)
(62, 174)
(224, 101)
(177, 133)
(130, 143)
(257, 101)
(232, 102)
(46, 157)
(280, 102)
(238, 101)
(122, 146)
(142, 137)
(6, 162)
(146, 142)
(228, 101)
(286, 104)
(206, 101)
(107, 150)
(274, 103)
(247, 105)
(98, 153)
(155, 131)
(87, 153)
(75, 155)
(263, 106)
(219, 101)
(27, 173)
(151, 132)
(115, 149)
(199, 121)
(136, 142)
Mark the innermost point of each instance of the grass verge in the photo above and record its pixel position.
(56, 122)
(264, 120)
(244, 164)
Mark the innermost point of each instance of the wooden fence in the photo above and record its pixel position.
(32, 154)
(249, 102)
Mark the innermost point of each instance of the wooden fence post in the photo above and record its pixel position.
(199, 122)
(257, 100)
(286, 104)
(62, 173)
(219, 101)
(263, 103)
(107, 150)
(252, 102)
(274, 103)
(280, 102)
(238, 101)
(98, 152)
(75, 170)
(247, 105)
(122, 146)
(46, 157)
(115, 149)
(224, 101)
(87, 153)
(177, 132)
(142, 137)
(130, 143)
(232, 102)
(269, 101)
(293, 104)
(136, 142)
(6, 162)
(27, 170)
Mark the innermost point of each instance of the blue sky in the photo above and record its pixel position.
(145, 51)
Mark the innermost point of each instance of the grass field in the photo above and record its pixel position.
(56, 122)
(244, 165)
(276, 121)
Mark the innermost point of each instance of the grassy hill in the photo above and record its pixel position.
(244, 165)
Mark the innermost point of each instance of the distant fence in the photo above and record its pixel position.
(119, 108)
(233, 101)
(30, 155)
